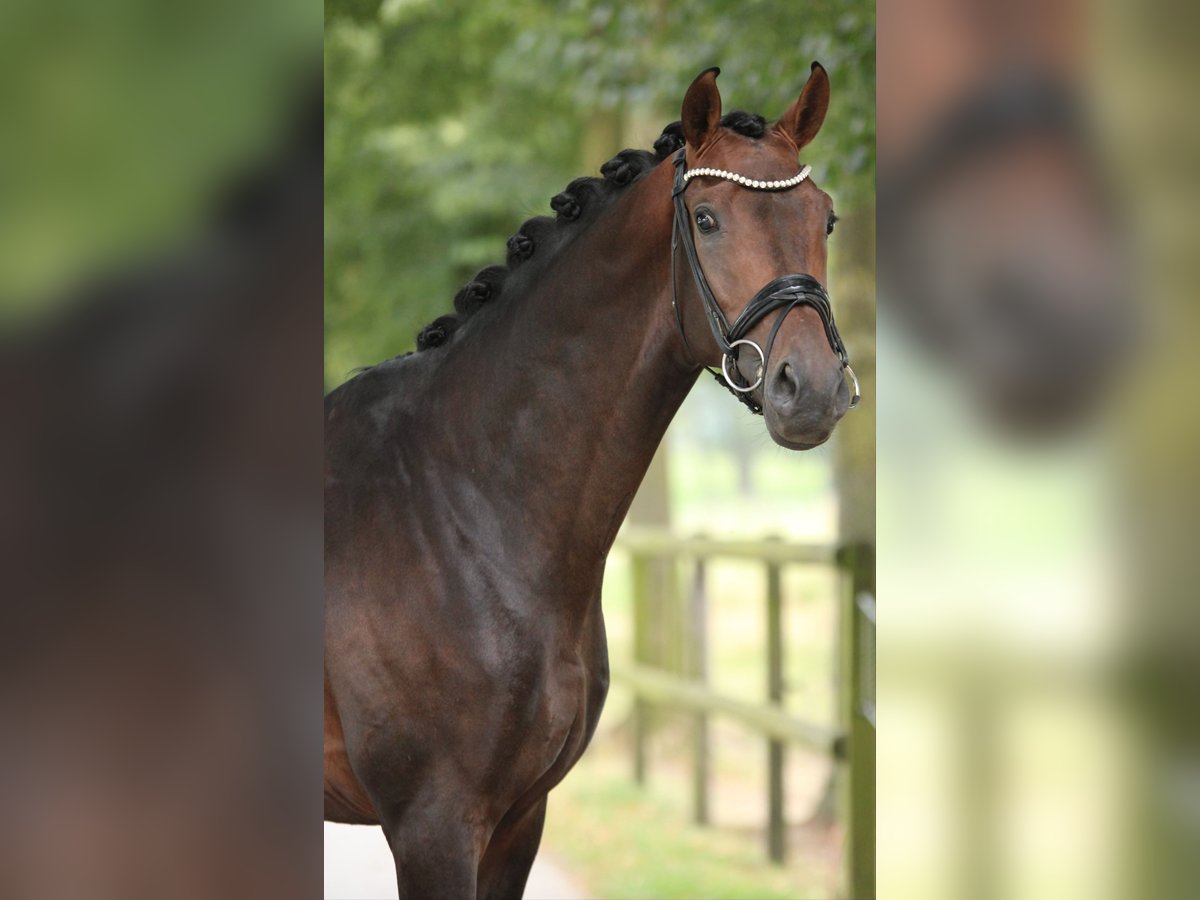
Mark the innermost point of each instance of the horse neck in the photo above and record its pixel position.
(563, 395)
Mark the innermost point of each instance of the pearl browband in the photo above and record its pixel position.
(749, 182)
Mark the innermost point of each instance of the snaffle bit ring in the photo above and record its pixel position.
(762, 367)
(855, 395)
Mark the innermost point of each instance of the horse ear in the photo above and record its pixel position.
(701, 108)
(803, 119)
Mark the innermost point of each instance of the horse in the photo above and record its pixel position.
(475, 486)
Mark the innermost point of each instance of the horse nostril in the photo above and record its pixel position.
(787, 384)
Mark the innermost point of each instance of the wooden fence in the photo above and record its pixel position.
(674, 676)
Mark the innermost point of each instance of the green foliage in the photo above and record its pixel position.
(125, 120)
(448, 123)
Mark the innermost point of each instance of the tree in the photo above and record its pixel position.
(445, 122)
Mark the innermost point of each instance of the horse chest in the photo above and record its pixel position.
(554, 731)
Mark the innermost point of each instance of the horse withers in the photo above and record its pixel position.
(474, 488)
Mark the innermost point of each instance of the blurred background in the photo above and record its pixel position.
(1037, 486)
(160, 452)
(447, 125)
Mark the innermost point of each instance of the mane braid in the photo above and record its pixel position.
(747, 124)
(541, 237)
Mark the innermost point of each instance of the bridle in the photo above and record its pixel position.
(784, 293)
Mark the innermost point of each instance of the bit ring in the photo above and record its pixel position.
(762, 368)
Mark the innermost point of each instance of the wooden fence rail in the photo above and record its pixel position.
(665, 689)
(676, 678)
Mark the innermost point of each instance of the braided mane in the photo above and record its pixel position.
(575, 207)
(539, 239)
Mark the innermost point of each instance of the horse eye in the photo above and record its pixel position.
(829, 226)
(705, 221)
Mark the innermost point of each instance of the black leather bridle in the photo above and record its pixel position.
(784, 293)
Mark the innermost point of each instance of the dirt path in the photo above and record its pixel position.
(358, 866)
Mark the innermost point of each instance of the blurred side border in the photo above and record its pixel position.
(160, 385)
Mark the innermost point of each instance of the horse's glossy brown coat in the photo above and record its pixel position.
(473, 492)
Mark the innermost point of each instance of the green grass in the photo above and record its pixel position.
(628, 843)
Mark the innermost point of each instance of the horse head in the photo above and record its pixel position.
(754, 230)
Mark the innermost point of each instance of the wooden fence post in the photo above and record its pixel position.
(858, 719)
(776, 824)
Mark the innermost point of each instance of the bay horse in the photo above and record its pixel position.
(474, 487)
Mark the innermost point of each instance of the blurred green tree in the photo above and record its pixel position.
(450, 122)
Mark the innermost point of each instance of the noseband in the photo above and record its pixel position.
(784, 293)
